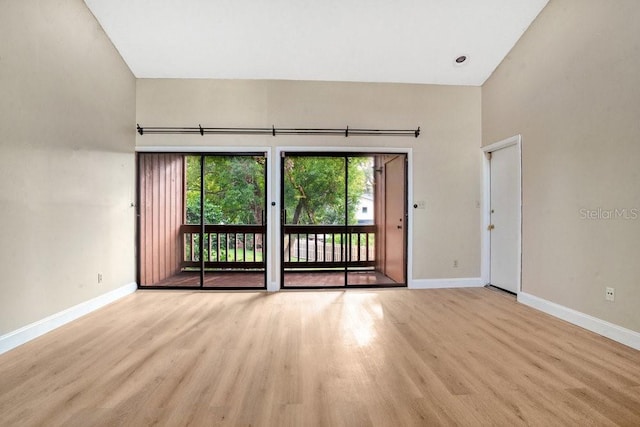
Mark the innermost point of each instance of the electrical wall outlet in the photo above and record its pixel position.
(610, 294)
(455, 263)
(99, 277)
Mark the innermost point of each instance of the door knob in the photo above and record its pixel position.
(399, 227)
(491, 227)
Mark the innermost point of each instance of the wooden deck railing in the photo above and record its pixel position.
(305, 246)
(327, 246)
(225, 246)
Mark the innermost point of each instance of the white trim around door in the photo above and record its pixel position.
(486, 207)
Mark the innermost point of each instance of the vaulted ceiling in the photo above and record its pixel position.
(404, 41)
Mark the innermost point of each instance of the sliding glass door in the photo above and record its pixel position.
(313, 221)
(339, 225)
(202, 220)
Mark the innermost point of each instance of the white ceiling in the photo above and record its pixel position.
(405, 41)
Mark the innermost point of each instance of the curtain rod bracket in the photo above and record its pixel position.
(140, 130)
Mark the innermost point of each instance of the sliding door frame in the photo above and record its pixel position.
(338, 152)
(210, 151)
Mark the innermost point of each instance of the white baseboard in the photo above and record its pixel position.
(27, 333)
(593, 324)
(465, 282)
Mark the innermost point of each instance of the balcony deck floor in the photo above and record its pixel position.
(252, 280)
(336, 279)
(213, 280)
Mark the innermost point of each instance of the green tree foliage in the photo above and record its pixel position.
(315, 188)
(234, 189)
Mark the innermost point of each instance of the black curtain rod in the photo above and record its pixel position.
(273, 131)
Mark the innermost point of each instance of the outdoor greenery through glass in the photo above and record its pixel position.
(325, 191)
(234, 189)
(234, 194)
(315, 188)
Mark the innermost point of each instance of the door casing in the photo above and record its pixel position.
(486, 208)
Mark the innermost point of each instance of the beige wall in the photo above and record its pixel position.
(67, 112)
(571, 87)
(446, 159)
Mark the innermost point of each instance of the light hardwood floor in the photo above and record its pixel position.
(355, 358)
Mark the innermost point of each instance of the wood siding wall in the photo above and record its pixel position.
(379, 210)
(161, 187)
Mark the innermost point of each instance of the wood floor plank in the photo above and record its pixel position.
(320, 358)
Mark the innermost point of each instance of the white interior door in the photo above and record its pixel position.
(505, 218)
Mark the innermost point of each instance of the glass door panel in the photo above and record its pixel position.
(234, 224)
(162, 251)
(191, 229)
(313, 221)
(361, 222)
